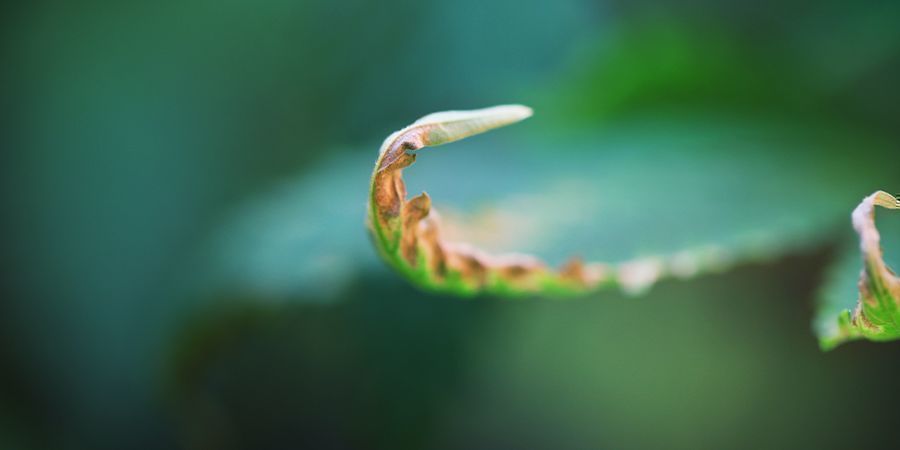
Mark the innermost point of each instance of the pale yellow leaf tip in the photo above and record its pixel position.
(449, 126)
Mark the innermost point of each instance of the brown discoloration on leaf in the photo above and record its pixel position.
(858, 319)
(573, 268)
(409, 232)
(587, 276)
(413, 212)
(879, 287)
(396, 154)
(429, 238)
(522, 271)
(418, 225)
(388, 188)
(388, 194)
(515, 271)
(865, 291)
(469, 262)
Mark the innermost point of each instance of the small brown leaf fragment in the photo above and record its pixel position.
(414, 211)
(389, 192)
(587, 276)
(396, 154)
(429, 237)
(573, 270)
(518, 270)
(468, 262)
(514, 271)
(388, 188)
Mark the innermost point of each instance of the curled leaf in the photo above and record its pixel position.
(407, 233)
(877, 313)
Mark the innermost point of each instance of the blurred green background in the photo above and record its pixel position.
(185, 262)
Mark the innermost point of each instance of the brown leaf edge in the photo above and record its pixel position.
(407, 233)
(877, 313)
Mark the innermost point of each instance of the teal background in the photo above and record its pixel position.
(139, 134)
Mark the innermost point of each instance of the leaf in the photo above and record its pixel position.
(411, 238)
(720, 189)
(407, 233)
(877, 313)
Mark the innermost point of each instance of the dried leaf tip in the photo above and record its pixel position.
(445, 127)
(448, 126)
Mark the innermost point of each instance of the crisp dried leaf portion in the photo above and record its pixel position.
(407, 233)
(877, 313)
